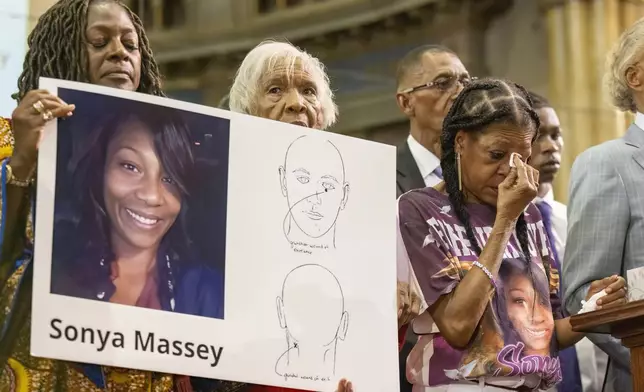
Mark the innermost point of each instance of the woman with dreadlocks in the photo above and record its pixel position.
(488, 326)
(94, 41)
(100, 42)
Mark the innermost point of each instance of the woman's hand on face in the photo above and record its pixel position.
(408, 304)
(615, 287)
(517, 190)
(36, 108)
(344, 386)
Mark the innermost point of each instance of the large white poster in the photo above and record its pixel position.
(14, 16)
(189, 240)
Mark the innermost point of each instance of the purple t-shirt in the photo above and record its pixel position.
(516, 335)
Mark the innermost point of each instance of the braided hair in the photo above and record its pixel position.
(57, 48)
(480, 104)
(539, 101)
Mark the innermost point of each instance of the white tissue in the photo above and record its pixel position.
(512, 159)
(591, 304)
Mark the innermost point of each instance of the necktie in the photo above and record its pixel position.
(568, 357)
(438, 172)
(546, 216)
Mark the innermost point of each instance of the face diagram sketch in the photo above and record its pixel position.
(313, 181)
(311, 311)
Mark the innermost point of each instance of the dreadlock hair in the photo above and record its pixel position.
(57, 48)
(480, 104)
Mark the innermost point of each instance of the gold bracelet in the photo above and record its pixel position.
(11, 180)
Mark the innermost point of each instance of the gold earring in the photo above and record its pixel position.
(458, 168)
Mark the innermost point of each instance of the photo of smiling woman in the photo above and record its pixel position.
(524, 307)
(124, 234)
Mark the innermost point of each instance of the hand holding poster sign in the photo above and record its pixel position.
(198, 202)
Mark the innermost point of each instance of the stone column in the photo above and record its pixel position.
(559, 75)
(157, 14)
(606, 31)
(581, 83)
(631, 11)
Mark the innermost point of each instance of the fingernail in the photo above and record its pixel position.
(599, 302)
(69, 114)
(608, 291)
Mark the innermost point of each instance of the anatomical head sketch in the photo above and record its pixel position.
(312, 312)
(313, 181)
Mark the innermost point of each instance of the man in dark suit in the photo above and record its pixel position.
(429, 79)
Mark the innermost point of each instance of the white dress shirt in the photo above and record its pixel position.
(592, 360)
(639, 120)
(426, 161)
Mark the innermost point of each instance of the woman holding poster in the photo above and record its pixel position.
(96, 41)
(280, 82)
(478, 233)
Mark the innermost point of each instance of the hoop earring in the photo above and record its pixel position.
(458, 168)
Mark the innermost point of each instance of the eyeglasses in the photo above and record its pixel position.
(443, 84)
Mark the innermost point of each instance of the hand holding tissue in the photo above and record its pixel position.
(591, 304)
(605, 292)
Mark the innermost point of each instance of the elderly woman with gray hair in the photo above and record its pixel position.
(280, 82)
(605, 210)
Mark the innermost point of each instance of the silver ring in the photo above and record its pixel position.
(47, 115)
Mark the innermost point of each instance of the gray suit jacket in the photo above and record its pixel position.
(605, 231)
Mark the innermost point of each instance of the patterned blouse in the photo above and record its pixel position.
(19, 371)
